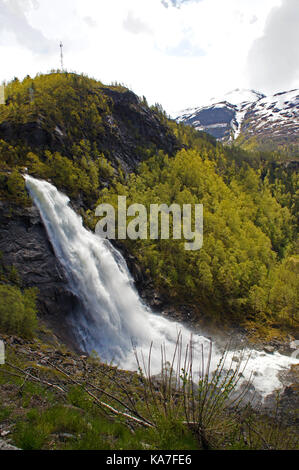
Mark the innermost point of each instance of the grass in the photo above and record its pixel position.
(182, 417)
(61, 427)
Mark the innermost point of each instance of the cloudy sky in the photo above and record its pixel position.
(179, 53)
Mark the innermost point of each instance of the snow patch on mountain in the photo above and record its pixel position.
(225, 117)
(239, 96)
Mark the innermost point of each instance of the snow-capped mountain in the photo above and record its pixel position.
(249, 113)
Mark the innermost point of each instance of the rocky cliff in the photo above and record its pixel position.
(24, 244)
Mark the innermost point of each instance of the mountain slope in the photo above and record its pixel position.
(87, 139)
(56, 112)
(273, 121)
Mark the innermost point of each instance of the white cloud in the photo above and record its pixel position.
(135, 25)
(253, 19)
(90, 21)
(13, 20)
(176, 3)
(176, 56)
(273, 62)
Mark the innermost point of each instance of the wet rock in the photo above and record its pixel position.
(269, 349)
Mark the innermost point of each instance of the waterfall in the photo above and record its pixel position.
(112, 316)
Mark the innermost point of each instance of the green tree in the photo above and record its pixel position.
(18, 311)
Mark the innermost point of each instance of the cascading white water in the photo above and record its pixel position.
(112, 316)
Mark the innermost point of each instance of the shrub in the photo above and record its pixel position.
(18, 312)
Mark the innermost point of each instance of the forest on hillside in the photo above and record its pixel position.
(247, 271)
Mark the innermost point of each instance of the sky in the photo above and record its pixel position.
(179, 53)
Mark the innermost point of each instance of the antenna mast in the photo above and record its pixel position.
(61, 55)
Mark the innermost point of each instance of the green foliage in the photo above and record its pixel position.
(172, 435)
(8, 154)
(9, 274)
(284, 291)
(283, 181)
(62, 99)
(15, 184)
(5, 412)
(264, 209)
(12, 187)
(271, 144)
(79, 398)
(18, 311)
(250, 198)
(67, 105)
(75, 430)
(28, 437)
(246, 231)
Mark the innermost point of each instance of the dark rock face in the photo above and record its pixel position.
(24, 244)
(215, 120)
(129, 130)
(33, 134)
